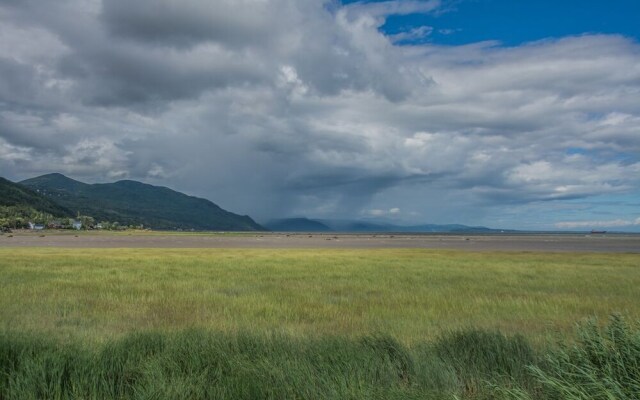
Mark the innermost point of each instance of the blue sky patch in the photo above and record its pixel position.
(513, 22)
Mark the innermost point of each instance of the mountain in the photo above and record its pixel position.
(448, 228)
(384, 227)
(296, 225)
(357, 226)
(135, 203)
(13, 194)
(329, 225)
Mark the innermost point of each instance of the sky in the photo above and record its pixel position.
(501, 113)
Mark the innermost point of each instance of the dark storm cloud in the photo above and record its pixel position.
(123, 76)
(16, 81)
(187, 23)
(31, 130)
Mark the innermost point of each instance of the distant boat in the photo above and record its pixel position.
(598, 232)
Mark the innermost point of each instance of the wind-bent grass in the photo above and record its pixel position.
(412, 295)
(316, 324)
(603, 364)
(200, 365)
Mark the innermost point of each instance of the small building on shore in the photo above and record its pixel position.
(36, 227)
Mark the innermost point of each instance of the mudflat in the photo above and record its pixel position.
(607, 243)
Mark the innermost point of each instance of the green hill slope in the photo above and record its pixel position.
(135, 203)
(15, 195)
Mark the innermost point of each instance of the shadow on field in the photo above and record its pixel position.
(601, 363)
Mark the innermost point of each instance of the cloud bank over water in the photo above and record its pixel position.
(283, 107)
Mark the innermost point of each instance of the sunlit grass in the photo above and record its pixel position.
(412, 295)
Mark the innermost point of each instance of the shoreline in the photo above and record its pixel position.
(539, 242)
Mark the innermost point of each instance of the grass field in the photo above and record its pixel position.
(209, 323)
(410, 294)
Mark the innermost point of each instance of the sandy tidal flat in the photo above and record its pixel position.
(608, 243)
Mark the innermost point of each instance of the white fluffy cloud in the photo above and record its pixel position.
(282, 107)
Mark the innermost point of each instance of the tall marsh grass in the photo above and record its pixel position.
(316, 324)
(601, 363)
(410, 294)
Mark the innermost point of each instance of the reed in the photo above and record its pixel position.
(598, 363)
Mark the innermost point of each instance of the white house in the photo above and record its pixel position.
(77, 225)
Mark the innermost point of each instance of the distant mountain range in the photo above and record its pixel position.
(135, 203)
(16, 195)
(322, 225)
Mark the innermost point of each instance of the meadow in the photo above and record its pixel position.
(329, 323)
